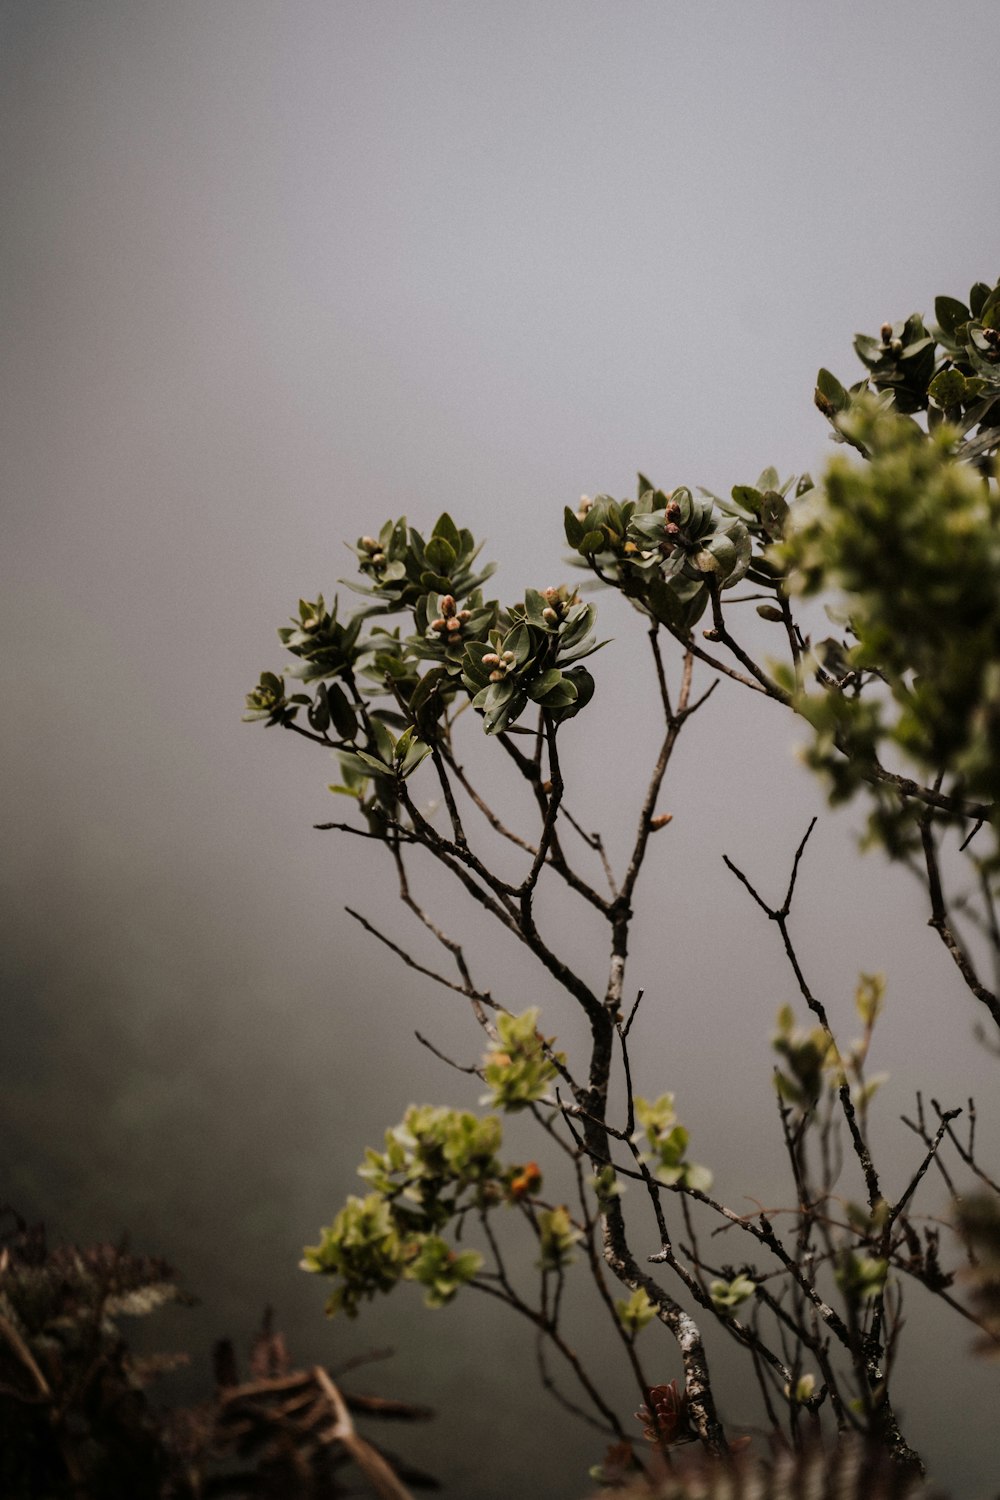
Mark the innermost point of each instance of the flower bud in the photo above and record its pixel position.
(508, 656)
(549, 614)
(453, 625)
(465, 614)
(378, 558)
(446, 604)
(527, 1181)
(886, 331)
(896, 346)
(497, 676)
(438, 625)
(369, 543)
(710, 635)
(491, 659)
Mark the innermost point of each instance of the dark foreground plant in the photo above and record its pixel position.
(901, 538)
(77, 1422)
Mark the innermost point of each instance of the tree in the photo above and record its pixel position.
(900, 539)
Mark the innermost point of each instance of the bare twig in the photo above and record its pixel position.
(939, 921)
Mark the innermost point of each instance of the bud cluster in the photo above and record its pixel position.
(502, 662)
(558, 604)
(672, 527)
(893, 345)
(449, 622)
(312, 616)
(376, 559)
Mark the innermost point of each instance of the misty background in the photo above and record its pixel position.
(271, 274)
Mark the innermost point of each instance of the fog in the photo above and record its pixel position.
(271, 274)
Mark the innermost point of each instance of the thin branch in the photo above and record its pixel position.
(443, 1056)
(402, 834)
(780, 916)
(595, 842)
(939, 921)
(770, 688)
(411, 963)
(491, 817)
(874, 771)
(914, 1182)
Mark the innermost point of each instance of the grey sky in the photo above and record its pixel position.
(270, 274)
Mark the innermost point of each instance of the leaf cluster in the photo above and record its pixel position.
(950, 371)
(911, 540)
(668, 1141)
(661, 550)
(518, 1067)
(438, 1165)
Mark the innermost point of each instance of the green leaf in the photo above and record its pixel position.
(950, 313)
(560, 696)
(518, 640)
(869, 997)
(978, 297)
(870, 351)
(591, 542)
(636, 1312)
(719, 555)
(445, 528)
(497, 694)
(435, 583)
(428, 688)
(383, 741)
(416, 751)
(748, 498)
(574, 527)
(773, 514)
(318, 711)
(534, 604)
(917, 348)
(544, 684)
(830, 394)
(583, 686)
(344, 718)
(947, 389)
(368, 764)
(441, 556)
